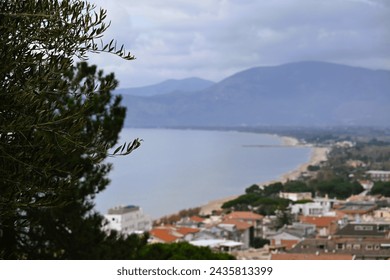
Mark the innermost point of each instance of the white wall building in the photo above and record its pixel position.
(127, 219)
(379, 175)
(319, 207)
(309, 209)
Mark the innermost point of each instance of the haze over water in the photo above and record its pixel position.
(180, 169)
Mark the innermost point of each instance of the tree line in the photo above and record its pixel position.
(266, 201)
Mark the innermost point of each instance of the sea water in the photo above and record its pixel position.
(180, 169)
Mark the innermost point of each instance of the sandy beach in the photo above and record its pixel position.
(318, 155)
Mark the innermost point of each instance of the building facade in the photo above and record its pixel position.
(379, 175)
(127, 220)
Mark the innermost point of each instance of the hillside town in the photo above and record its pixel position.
(322, 228)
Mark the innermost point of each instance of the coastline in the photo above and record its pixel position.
(318, 155)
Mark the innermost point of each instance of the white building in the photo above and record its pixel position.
(127, 220)
(319, 207)
(309, 209)
(379, 175)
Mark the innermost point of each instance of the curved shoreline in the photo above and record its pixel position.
(318, 155)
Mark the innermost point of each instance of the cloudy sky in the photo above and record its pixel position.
(212, 39)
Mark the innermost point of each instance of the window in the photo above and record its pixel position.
(369, 247)
(356, 246)
(340, 246)
(383, 228)
(361, 227)
(315, 211)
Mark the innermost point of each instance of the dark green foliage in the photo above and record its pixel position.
(180, 251)
(303, 201)
(268, 206)
(245, 199)
(313, 168)
(283, 218)
(264, 201)
(370, 155)
(273, 189)
(259, 242)
(382, 188)
(253, 189)
(296, 186)
(338, 188)
(57, 122)
(270, 190)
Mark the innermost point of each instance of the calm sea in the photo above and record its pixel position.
(180, 169)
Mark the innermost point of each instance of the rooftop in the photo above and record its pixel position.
(197, 219)
(364, 230)
(323, 221)
(164, 234)
(118, 210)
(296, 256)
(187, 230)
(358, 207)
(239, 225)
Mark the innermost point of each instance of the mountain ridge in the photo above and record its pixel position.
(168, 86)
(300, 93)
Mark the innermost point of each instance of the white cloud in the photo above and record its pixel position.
(213, 39)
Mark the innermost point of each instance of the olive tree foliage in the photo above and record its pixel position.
(58, 121)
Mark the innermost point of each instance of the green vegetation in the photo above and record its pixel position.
(266, 200)
(353, 162)
(297, 186)
(382, 188)
(258, 242)
(337, 178)
(337, 187)
(180, 251)
(283, 218)
(57, 122)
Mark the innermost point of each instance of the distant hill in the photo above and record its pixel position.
(169, 86)
(300, 94)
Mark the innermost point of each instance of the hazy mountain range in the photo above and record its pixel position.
(298, 94)
(168, 86)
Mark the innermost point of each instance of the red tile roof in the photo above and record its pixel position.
(164, 234)
(186, 230)
(196, 219)
(239, 224)
(288, 244)
(319, 221)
